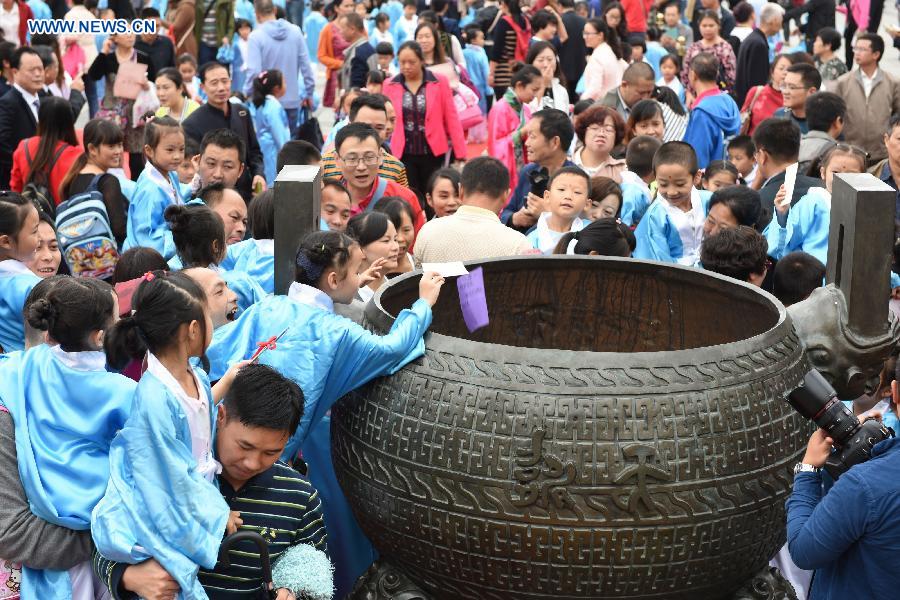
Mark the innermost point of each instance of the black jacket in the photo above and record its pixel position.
(17, 123)
(821, 14)
(768, 192)
(573, 53)
(208, 118)
(752, 65)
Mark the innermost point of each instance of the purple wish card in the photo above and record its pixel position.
(472, 299)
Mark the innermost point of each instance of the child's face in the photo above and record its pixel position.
(605, 208)
(342, 289)
(654, 127)
(409, 11)
(169, 152)
(840, 163)
(668, 70)
(384, 61)
(187, 71)
(444, 199)
(581, 10)
(335, 211)
(675, 183)
(637, 54)
(477, 39)
(383, 26)
(22, 246)
(244, 32)
(740, 160)
(567, 196)
(720, 180)
(186, 170)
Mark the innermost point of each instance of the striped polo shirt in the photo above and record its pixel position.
(391, 168)
(280, 505)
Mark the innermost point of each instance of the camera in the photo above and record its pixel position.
(816, 400)
(540, 179)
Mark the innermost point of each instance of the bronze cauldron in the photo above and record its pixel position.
(617, 431)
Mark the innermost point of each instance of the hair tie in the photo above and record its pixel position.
(570, 249)
(312, 270)
(148, 276)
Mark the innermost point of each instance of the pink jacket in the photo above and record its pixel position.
(441, 119)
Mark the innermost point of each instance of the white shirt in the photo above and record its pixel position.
(9, 23)
(868, 82)
(547, 239)
(307, 294)
(31, 100)
(408, 26)
(690, 227)
(165, 183)
(365, 294)
(196, 410)
(89, 360)
(13, 267)
(265, 247)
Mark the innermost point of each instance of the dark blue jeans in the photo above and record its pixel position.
(295, 10)
(205, 54)
(292, 114)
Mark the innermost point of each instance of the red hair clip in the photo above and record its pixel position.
(148, 276)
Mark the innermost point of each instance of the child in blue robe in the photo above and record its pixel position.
(157, 187)
(199, 237)
(567, 197)
(805, 225)
(269, 119)
(160, 501)
(327, 356)
(672, 228)
(66, 408)
(18, 240)
(256, 256)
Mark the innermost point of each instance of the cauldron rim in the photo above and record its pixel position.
(381, 318)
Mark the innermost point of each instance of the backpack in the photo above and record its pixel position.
(85, 236)
(39, 194)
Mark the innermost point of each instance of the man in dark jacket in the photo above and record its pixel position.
(572, 53)
(219, 113)
(753, 56)
(777, 147)
(821, 14)
(19, 107)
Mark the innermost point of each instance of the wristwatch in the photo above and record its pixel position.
(805, 468)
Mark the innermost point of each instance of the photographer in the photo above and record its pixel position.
(847, 535)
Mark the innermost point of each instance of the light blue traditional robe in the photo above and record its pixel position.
(158, 503)
(271, 124)
(658, 237)
(66, 409)
(246, 288)
(806, 228)
(256, 258)
(635, 202)
(16, 281)
(327, 356)
(146, 221)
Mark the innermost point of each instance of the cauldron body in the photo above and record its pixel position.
(617, 431)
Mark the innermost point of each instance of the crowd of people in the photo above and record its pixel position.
(155, 392)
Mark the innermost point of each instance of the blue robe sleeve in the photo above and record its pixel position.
(657, 238)
(14, 289)
(278, 122)
(225, 55)
(806, 229)
(248, 291)
(634, 204)
(146, 223)
(701, 134)
(156, 503)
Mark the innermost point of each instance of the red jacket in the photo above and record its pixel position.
(636, 14)
(442, 124)
(20, 170)
(24, 15)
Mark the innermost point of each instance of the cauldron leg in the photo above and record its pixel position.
(767, 584)
(384, 581)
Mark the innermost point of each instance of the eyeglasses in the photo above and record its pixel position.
(861, 49)
(586, 33)
(598, 128)
(352, 160)
(791, 88)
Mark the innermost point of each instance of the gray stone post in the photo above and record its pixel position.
(297, 193)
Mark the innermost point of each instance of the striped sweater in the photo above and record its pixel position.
(279, 504)
(391, 168)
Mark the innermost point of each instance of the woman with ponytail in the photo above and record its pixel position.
(603, 237)
(269, 118)
(327, 356)
(161, 463)
(59, 411)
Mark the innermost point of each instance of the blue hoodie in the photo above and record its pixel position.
(712, 120)
(280, 45)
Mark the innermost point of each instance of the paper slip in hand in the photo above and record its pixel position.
(447, 269)
(790, 180)
(472, 299)
(130, 80)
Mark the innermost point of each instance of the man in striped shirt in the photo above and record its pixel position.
(370, 109)
(258, 416)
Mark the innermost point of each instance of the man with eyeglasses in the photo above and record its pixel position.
(357, 149)
(370, 109)
(800, 82)
(872, 96)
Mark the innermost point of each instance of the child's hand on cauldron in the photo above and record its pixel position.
(430, 287)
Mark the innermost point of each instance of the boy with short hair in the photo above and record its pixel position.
(405, 27)
(637, 179)
(796, 276)
(672, 228)
(567, 196)
(741, 153)
(827, 42)
(478, 65)
(383, 59)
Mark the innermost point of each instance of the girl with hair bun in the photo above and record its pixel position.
(199, 236)
(161, 462)
(19, 222)
(269, 118)
(63, 409)
(603, 237)
(327, 356)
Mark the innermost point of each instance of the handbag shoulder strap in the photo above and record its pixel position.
(379, 192)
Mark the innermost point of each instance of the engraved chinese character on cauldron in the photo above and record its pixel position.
(642, 471)
(541, 478)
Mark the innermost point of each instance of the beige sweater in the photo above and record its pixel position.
(470, 234)
(867, 119)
